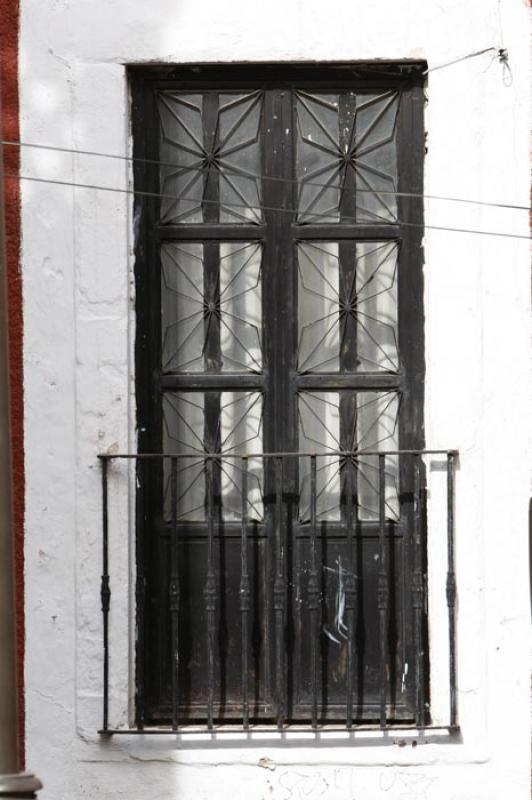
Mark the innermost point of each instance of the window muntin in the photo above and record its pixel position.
(366, 247)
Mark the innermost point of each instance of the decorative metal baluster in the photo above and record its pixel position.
(244, 595)
(105, 593)
(451, 590)
(279, 592)
(174, 596)
(382, 591)
(417, 595)
(350, 589)
(313, 596)
(210, 592)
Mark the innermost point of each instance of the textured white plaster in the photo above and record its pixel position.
(77, 260)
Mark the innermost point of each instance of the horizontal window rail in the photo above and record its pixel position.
(375, 494)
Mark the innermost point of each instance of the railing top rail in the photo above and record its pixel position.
(292, 454)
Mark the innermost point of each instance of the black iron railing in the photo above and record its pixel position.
(410, 486)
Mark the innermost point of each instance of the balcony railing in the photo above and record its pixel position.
(385, 496)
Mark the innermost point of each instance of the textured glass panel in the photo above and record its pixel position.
(375, 157)
(317, 157)
(183, 425)
(346, 143)
(234, 303)
(182, 307)
(182, 155)
(210, 162)
(348, 306)
(239, 157)
(240, 426)
(241, 433)
(318, 307)
(319, 432)
(240, 306)
(371, 424)
(376, 428)
(375, 306)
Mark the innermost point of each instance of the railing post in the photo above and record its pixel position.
(209, 593)
(350, 585)
(382, 591)
(451, 591)
(313, 595)
(245, 594)
(105, 595)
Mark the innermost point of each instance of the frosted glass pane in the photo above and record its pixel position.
(346, 143)
(241, 434)
(239, 157)
(376, 307)
(317, 165)
(348, 305)
(376, 157)
(183, 425)
(373, 425)
(182, 311)
(319, 432)
(318, 307)
(182, 156)
(232, 310)
(196, 153)
(240, 306)
(240, 426)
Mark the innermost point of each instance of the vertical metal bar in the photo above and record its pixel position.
(382, 590)
(105, 593)
(279, 592)
(350, 588)
(313, 595)
(417, 597)
(174, 596)
(244, 595)
(451, 591)
(210, 592)
(140, 592)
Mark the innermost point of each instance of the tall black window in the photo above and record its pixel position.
(279, 310)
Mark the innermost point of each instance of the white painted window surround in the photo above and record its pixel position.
(79, 379)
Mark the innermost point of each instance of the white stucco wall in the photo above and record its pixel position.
(77, 261)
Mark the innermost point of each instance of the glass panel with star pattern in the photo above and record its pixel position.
(346, 145)
(210, 157)
(196, 311)
(239, 432)
(371, 423)
(362, 289)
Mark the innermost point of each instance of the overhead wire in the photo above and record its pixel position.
(248, 206)
(273, 178)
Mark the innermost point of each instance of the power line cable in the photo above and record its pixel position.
(254, 207)
(242, 174)
(477, 53)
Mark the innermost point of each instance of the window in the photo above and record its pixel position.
(279, 311)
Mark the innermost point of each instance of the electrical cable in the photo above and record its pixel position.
(241, 174)
(277, 209)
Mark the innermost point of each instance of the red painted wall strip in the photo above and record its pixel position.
(9, 29)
